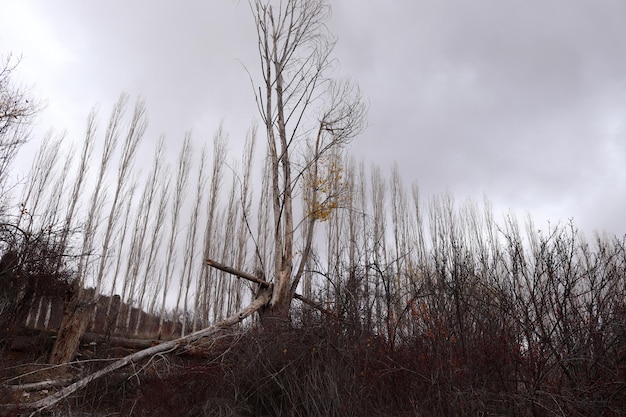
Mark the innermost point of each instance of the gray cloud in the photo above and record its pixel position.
(522, 101)
(509, 98)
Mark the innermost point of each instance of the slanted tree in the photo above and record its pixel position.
(80, 306)
(306, 115)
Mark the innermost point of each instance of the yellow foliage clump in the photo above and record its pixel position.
(324, 191)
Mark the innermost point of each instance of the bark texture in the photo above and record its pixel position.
(76, 318)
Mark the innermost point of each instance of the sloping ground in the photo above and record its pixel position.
(72, 377)
(320, 369)
(247, 374)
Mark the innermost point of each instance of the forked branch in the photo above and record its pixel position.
(264, 284)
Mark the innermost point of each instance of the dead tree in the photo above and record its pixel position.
(304, 112)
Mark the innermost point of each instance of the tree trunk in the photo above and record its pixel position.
(275, 318)
(273, 315)
(76, 318)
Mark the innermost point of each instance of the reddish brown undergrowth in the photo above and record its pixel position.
(324, 369)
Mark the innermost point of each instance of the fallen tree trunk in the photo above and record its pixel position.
(261, 300)
(35, 386)
(124, 342)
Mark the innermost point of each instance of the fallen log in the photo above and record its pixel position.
(35, 386)
(124, 342)
(164, 347)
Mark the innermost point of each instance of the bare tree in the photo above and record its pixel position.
(204, 298)
(160, 184)
(134, 134)
(39, 180)
(182, 177)
(243, 231)
(123, 190)
(190, 244)
(17, 111)
(227, 289)
(57, 199)
(122, 254)
(301, 110)
(137, 250)
(77, 312)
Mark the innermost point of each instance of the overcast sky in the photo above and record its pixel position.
(521, 101)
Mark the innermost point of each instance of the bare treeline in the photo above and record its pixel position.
(497, 317)
(477, 313)
(487, 303)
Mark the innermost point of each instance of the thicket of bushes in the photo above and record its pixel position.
(532, 327)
